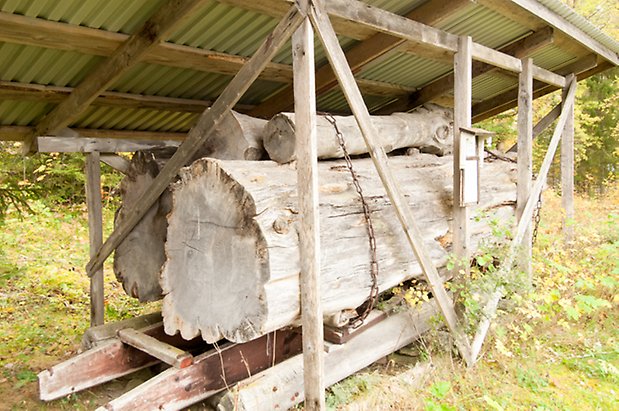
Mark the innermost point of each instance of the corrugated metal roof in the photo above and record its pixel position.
(224, 28)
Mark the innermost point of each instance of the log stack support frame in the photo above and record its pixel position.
(301, 18)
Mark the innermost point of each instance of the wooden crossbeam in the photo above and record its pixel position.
(430, 13)
(520, 49)
(583, 67)
(165, 352)
(102, 145)
(156, 28)
(10, 90)
(18, 133)
(345, 76)
(200, 132)
(490, 308)
(426, 36)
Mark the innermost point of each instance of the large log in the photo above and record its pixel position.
(232, 268)
(429, 128)
(138, 259)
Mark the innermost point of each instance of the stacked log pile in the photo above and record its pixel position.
(222, 243)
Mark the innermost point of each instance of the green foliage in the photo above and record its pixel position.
(346, 391)
(439, 391)
(54, 179)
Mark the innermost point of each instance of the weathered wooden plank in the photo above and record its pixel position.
(18, 133)
(337, 60)
(525, 158)
(463, 91)
(211, 372)
(430, 13)
(281, 387)
(103, 363)
(108, 360)
(48, 144)
(490, 308)
(392, 24)
(97, 335)
(201, 131)
(309, 234)
(493, 57)
(548, 77)
(541, 125)
(167, 353)
(95, 233)
(156, 28)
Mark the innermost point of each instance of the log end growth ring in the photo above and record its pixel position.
(214, 242)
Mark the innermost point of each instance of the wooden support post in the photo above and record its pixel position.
(567, 174)
(490, 308)
(203, 130)
(95, 232)
(309, 235)
(337, 59)
(463, 66)
(525, 158)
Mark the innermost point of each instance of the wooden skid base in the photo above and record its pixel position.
(281, 387)
(211, 372)
(105, 362)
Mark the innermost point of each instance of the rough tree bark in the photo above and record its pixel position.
(138, 259)
(429, 128)
(232, 251)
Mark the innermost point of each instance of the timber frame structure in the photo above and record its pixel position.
(480, 57)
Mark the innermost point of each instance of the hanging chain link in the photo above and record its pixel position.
(537, 216)
(367, 306)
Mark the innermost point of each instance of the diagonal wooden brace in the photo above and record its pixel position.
(337, 60)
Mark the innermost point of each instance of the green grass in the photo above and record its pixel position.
(44, 300)
(555, 348)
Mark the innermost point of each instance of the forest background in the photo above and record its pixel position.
(566, 356)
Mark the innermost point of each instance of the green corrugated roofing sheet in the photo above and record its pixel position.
(227, 29)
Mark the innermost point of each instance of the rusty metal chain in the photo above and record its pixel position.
(367, 306)
(537, 216)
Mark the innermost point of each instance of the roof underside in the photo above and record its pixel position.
(236, 28)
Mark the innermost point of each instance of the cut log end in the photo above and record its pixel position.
(212, 228)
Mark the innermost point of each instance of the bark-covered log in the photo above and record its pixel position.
(429, 128)
(138, 259)
(232, 266)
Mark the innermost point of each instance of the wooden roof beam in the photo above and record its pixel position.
(432, 12)
(62, 36)
(152, 32)
(583, 68)
(519, 49)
